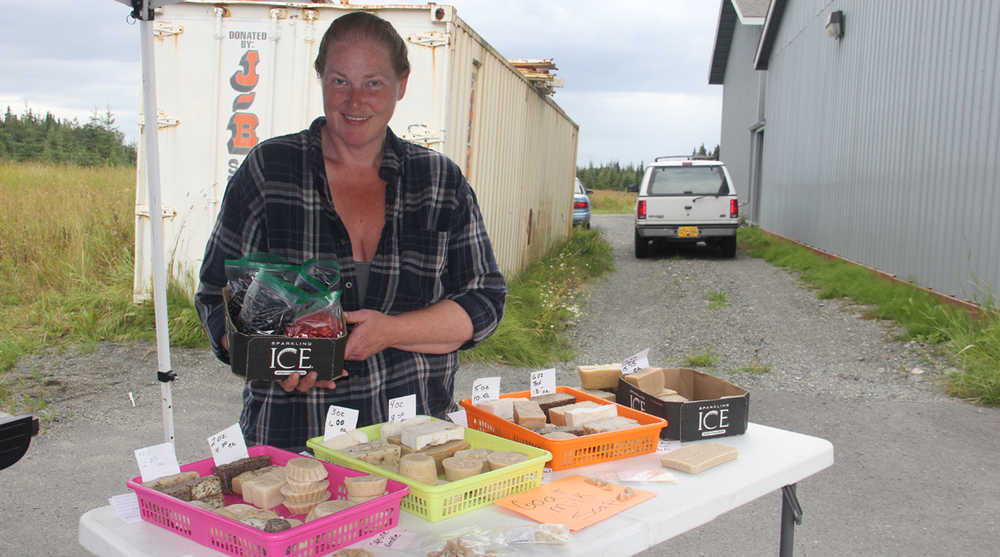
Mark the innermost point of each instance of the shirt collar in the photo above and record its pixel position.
(393, 150)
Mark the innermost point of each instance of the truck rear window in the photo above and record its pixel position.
(687, 180)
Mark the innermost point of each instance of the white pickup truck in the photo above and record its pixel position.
(686, 200)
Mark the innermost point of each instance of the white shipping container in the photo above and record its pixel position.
(231, 74)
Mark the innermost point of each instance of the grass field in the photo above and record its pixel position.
(612, 201)
(66, 267)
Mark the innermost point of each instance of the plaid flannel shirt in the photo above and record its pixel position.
(433, 247)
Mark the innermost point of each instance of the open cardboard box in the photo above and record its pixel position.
(715, 407)
(275, 357)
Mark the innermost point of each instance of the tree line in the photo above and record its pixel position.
(615, 176)
(33, 137)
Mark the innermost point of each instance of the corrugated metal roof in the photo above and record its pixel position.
(747, 12)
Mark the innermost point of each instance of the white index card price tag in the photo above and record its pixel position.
(157, 461)
(228, 445)
(339, 420)
(485, 388)
(402, 408)
(459, 417)
(543, 382)
(634, 363)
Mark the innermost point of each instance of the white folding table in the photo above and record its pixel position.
(769, 459)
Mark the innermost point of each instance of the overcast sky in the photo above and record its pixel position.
(635, 72)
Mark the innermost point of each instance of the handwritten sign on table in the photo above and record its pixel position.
(543, 382)
(402, 408)
(574, 501)
(339, 420)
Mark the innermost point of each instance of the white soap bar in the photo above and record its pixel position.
(390, 429)
(501, 407)
(582, 415)
(431, 433)
(346, 439)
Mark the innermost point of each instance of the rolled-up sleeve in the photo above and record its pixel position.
(475, 280)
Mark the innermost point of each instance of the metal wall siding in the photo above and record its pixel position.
(739, 109)
(881, 147)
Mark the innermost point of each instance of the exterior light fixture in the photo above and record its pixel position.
(835, 25)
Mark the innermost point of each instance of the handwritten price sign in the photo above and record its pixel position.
(339, 420)
(402, 408)
(228, 445)
(485, 388)
(157, 461)
(634, 363)
(543, 382)
(574, 501)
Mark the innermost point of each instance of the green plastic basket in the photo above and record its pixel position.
(437, 502)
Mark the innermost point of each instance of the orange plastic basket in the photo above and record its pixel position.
(584, 450)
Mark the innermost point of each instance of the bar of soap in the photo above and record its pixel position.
(174, 479)
(601, 376)
(501, 408)
(557, 415)
(418, 467)
(346, 439)
(227, 472)
(698, 457)
(580, 416)
(237, 482)
(499, 459)
(559, 435)
(616, 423)
(431, 433)
(305, 469)
(550, 428)
(551, 400)
(263, 492)
(441, 452)
(327, 508)
(528, 413)
(649, 380)
(368, 485)
(378, 452)
(458, 468)
(319, 491)
(393, 429)
(481, 454)
(603, 395)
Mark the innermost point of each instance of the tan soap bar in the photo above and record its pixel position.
(418, 467)
(559, 435)
(378, 452)
(419, 436)
(580, 416)
(557, 415)
(458, 468)
(698, 457)
(528, 413)
(551, 400)
(602, 376)
(649, 380)
(501, 408)
(368, 485)
(499, 459)
(440, 452)
(605, 425)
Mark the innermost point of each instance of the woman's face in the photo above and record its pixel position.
(360, 91)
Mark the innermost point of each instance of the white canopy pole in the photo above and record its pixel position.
(150, 132)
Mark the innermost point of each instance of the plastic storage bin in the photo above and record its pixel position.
(318, 537)
(584, 450)
(437, 502)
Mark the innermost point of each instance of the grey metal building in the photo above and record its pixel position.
(869, 130)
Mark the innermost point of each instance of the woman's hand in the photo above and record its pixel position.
(439, 328)
(370, 334)
(295, 382)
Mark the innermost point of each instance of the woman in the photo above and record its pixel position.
(420, 279)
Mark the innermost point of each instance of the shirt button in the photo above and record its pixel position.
(349, 284)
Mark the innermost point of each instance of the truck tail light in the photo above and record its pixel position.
(640, 210)
(734, 209)
(579, 204)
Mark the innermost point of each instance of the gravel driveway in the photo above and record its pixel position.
(915, 471)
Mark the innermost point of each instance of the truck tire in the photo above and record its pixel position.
(728, 246)
(641, 246)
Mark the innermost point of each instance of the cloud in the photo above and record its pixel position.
(638, 126)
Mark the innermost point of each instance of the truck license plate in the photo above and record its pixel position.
(687, 232)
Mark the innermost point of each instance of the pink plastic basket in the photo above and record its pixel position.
(318, 537)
